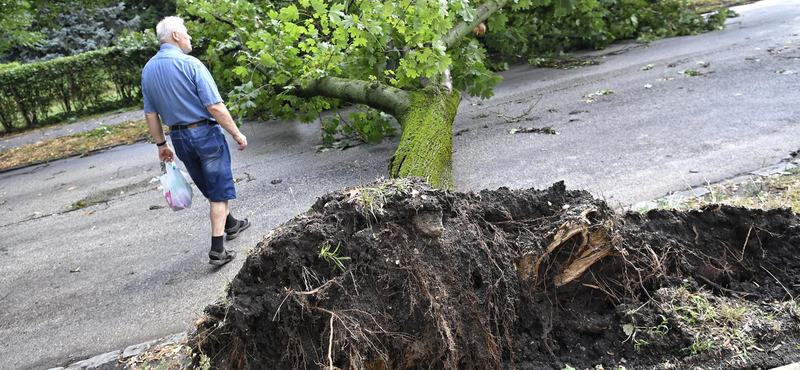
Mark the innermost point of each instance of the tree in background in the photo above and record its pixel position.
(75, 31)
(15, 19)
(150, 12)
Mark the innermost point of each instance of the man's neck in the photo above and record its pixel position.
(173, 44)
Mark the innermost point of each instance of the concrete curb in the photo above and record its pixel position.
(124, 354)
(794, 366)
(675, 198)
(84, 153)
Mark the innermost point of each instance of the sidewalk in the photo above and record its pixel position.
(66, 130)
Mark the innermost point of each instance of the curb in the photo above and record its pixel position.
(83, 153)
(794, 366)
(676, 197)
(124, 354)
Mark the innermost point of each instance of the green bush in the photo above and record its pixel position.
(555, 27)
(76, 83)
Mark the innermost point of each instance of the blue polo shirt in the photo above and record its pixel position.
(178, 87)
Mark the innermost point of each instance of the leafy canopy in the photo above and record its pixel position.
(263, 50)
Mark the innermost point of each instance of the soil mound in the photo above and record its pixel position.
(398, 275)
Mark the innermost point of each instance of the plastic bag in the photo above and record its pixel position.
(176, 188)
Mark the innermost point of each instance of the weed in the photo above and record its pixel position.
(648, 67)
(662, 328)
(732, 315)
(763, 314)
(639, 343)
(205, 362)
(700, 345)
(98, 132)
(372, 199)
(697, 314)
(329, 256)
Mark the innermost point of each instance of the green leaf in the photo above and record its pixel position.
(240, 70)
(289, 14)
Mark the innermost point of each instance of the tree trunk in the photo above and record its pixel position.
(426, 121)
(426, 144)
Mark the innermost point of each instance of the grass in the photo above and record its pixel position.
(170, 357)
(332, 256)
(704, 6)
(765, 192)
(372, 199)
(83, 142)
(715, 322)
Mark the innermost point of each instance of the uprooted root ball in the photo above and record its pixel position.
(397, 275)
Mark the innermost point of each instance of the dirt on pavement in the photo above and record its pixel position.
(398, 275)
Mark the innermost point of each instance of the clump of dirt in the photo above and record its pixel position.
(398, 275)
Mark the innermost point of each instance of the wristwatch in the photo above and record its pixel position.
(161, 144)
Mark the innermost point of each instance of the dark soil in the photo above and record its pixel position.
(510, 279)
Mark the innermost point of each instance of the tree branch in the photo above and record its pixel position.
(260, 68)
(387, 99)
(463, 29)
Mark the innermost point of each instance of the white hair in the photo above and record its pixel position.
(167, 25)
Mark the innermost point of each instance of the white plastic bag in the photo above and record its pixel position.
(176, 189)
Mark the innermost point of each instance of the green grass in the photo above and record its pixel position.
(765, 192)
(125, 133)
(57, 115)
(704, 6)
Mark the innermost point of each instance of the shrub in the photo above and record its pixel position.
(76, 83)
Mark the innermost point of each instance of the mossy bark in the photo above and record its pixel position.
(426, 121)
(426, 144)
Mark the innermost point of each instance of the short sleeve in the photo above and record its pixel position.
(148, 104)
(206, 87)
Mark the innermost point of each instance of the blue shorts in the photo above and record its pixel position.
(204, 152)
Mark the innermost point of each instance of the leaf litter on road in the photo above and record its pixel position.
(537, 130)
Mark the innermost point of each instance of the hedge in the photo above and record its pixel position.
(75, 83)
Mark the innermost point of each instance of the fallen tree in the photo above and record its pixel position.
(410, 60)
(399, 275)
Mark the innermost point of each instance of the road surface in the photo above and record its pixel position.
(77, 283)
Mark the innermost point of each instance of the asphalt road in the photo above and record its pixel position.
(74, 284)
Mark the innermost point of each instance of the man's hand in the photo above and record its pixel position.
(223, 117)
(241, 139)
(165, 153)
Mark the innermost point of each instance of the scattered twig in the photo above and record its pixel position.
(747, 239)
(779, 282)
(718, 287)
(538, 130)
(519, 117)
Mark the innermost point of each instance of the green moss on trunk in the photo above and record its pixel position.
(426, 145)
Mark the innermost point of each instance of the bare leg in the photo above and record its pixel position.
(219, 212)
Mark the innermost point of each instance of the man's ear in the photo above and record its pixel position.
(176, 38)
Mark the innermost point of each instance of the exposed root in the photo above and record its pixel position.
(510, 279)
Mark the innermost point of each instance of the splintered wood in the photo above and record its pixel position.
(594, 245)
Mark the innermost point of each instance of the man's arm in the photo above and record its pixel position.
(157, 132)
(223, 117)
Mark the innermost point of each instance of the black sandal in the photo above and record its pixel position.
(221, 258)
(233, 232)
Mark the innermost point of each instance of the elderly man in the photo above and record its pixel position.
(179, 88)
